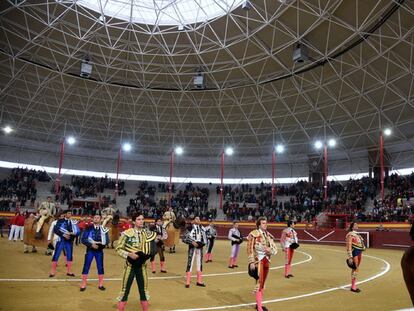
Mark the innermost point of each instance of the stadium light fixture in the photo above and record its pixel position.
(387, 132)
(71, 140)
(332, 142)
(102, 19)
(179, 150)
(126, 147)
(229, 151)
(7, 129)
(318, 144)
(280, 148)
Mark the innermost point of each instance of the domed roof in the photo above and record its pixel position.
(282, 71)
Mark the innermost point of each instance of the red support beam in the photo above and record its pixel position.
(325, 172)
(273, 176)
(171, 175)
(382, 165)
(222, 176)
(118, 168)
(61, 156)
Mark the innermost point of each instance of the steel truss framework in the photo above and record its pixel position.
(141, 87)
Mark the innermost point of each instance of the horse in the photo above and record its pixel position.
(407, 265)
(114, 230)
(30, 232)
(174, 231)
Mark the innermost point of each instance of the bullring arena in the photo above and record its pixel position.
(320, 282)
(259, 152)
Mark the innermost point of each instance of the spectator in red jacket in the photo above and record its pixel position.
(83, 224)
(125, 225)
(17, 227)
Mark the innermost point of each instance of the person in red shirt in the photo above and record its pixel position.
(125, 226)
(17, 227)
(83, 224)
(13, 227)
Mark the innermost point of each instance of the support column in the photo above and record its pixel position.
(222, 177)
(382, 165)
(171, 174)
(118, 168)
(273, 176)
(61, 155)
(325, 171)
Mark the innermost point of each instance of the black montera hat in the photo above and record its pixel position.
(254, 273)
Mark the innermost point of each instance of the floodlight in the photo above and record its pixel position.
(86, 68)
(199, 80)
(318, 144)
(387, 132)
(280, 148)
(246, 5)
(7, 129)
(126, 147)
(71, 140)
(229, 151)
(178, 150)
(332, 142)
(102, 19)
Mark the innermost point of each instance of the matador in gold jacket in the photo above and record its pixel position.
(136, 245)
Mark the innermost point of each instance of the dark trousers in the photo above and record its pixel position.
(210, 245)
(89, 256)
(160, 252)
(66, 245)
(131, 272)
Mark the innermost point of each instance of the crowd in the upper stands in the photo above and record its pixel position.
(83, 187)
(20, 187)
(190, 201)
(398, 204)
(303, 201)
(246, 202)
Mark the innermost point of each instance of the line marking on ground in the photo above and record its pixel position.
(384, 269)
(309, 258)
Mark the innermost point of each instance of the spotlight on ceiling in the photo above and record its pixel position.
(7, 129)
(246, 5)
(126, 147)
(318, 144)
(332, 142)
(387, 132)
(86, 68)
(280, 148)
(102, 19)
(199, 79)
(229, 151)
(181, 27)
(178, 150)
(300, 53)
(71, 140)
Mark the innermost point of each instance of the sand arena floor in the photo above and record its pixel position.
(319, 283)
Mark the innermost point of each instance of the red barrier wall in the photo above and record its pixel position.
(397, 238)
(377, 239)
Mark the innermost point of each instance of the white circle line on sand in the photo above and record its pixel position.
(309, 258)
(385, 269)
